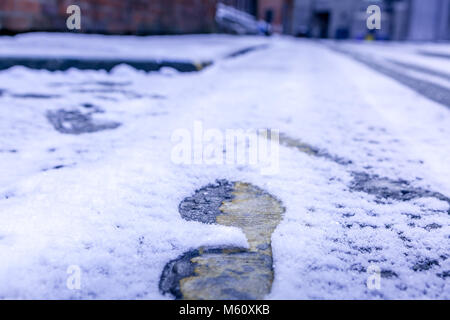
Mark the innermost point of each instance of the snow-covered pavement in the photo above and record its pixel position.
(106, 199)
(71, 45)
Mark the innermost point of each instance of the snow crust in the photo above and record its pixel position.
(111, 207)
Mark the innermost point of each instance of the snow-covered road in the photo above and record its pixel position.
(107, 200)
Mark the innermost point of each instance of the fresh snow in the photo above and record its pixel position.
(113, 208)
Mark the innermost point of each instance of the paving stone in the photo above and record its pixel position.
(224, 272)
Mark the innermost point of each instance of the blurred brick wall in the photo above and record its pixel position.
(111, 16)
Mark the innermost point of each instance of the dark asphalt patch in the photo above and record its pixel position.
(175, 271)
(204, 205)
(75, 122)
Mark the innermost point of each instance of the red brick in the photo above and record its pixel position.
(113, 16)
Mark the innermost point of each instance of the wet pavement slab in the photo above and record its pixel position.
(227, 273)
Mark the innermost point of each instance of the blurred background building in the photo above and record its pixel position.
(111, 16)
(337, 19)
(342, 19)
